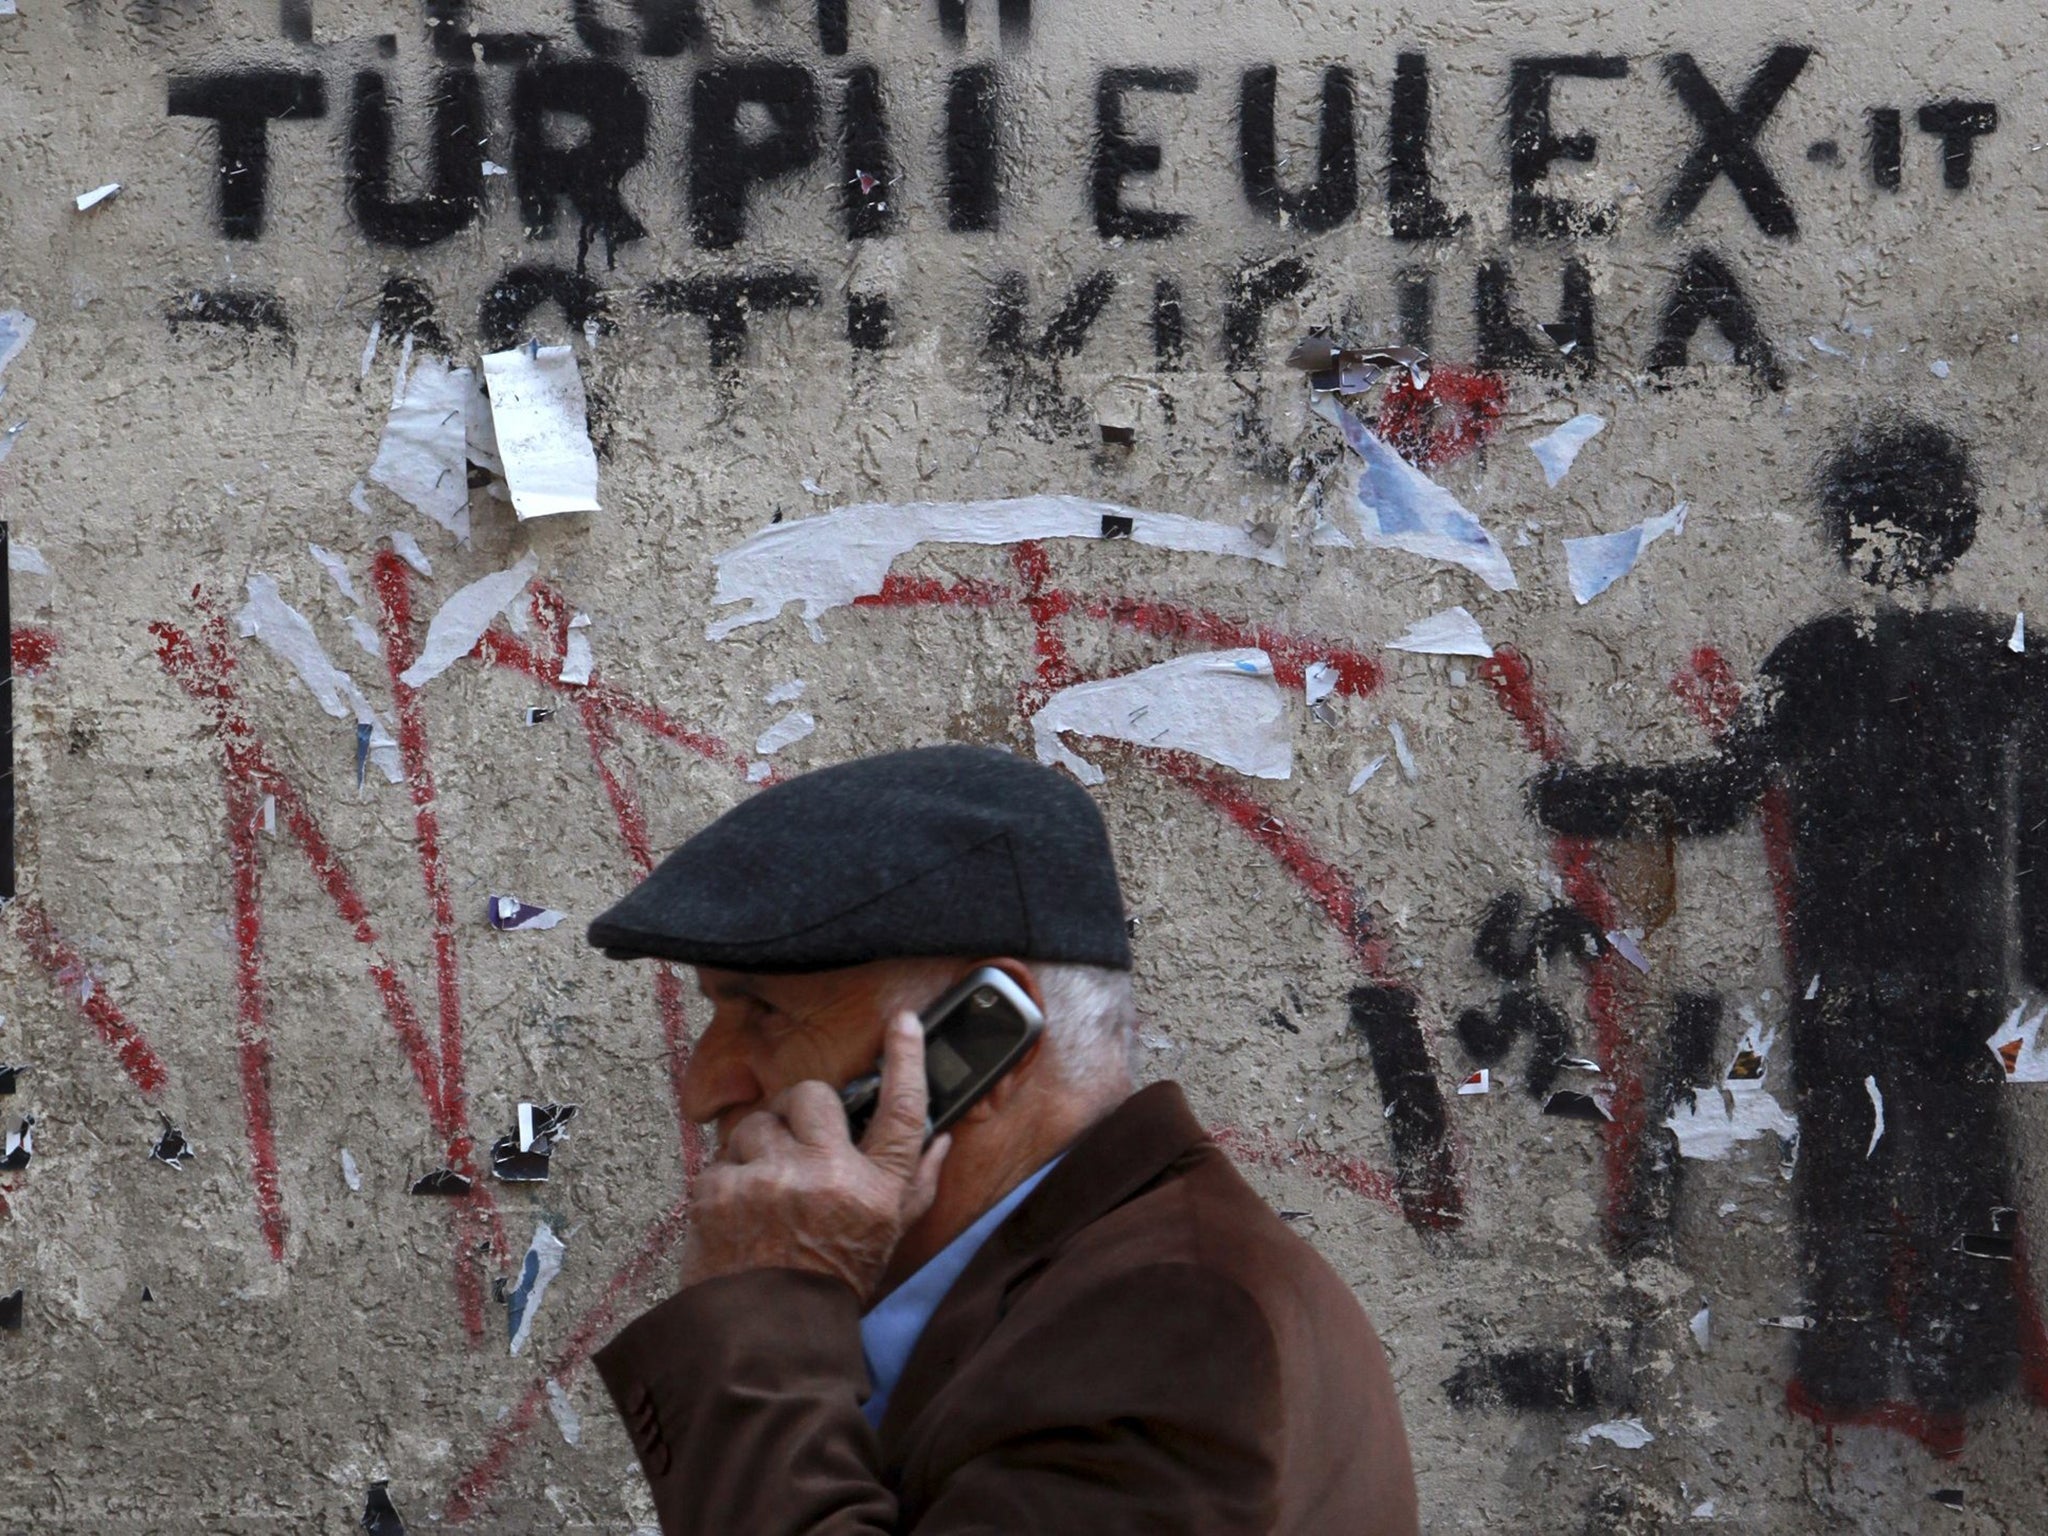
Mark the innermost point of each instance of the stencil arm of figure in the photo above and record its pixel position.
(1697, 797)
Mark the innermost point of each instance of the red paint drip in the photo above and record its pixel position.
(68, 970)
(1507, 673)
(252, 1012)
(1269, 1151)
(1942, 1433)
(1458, 410)
(1706, 685)
(31, 649)
(392, 577)
(1358, 675)
(473, 1489)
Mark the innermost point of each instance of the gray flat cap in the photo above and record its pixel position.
(951, 850)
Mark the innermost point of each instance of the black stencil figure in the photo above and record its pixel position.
(1908, 748)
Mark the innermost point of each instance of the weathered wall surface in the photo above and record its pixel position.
(924, 251)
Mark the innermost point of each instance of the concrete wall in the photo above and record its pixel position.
(1755, 232)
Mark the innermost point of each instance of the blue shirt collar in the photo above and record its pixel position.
(891, 1330)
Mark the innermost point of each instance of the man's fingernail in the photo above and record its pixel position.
(907, 1026)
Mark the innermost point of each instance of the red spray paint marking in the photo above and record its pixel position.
(67, 970)
(31, 649)
(1358, 674)
(1458, 410)
(1941, 1433)
(252, 1010)
(473, 1488)
(1706, 685)
(208, 678)
(392, 579)
(1047, 606)
(1614, 992)
(1269, 1151)
(501, 648)
(929, 591)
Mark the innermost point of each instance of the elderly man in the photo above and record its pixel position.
(1069, 1315)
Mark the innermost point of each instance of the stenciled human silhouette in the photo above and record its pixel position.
(1910, 744)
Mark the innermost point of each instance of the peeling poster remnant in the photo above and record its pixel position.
(1224, 705)
(523, 1157)
(420, 457)
(543, 1263)
(1597, 562)
(541, 425)
(1556, 451)
(461, 621)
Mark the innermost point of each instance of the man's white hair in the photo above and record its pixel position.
(1091, 1015)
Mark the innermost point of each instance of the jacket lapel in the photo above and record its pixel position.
(1116, 1158)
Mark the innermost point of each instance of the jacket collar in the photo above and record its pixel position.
(1115, 1158)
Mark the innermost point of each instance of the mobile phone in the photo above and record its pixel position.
(973, 1034)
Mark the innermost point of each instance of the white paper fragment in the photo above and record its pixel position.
(1402, 756)
(479, 436)
(1813, 987)
(759, 772)
(420, 457)
(1479, 1082)
(95, 197)
(266, 815)
(542, 425)
(25, 559)
(408, 550)
(23, 1141)
(1318, 681)
(351, 1175)
(813, 487)
(1222, 705)
(1702, 1326)
(2022, 1053)
(1877, 1110)
(509, 914)
(566, 1418)
(1704, 1510)
(8, 439)
(1718, 1120)
(492, 168)
(576, 657)
(1939, 368)
(2018, 642)
(790, 729)
(336, 567)
(828, 561)
(462, 620)
(543, 1263)
(15, 330)
(1822, 346)
(359, 498)
(1629, 946)
(1556, 451)
(1454, 632)
(1399, 507)
(285, 632)
(784, 693)
(369, 356)
(366, 636)
(1594, 564)
(1797, 1322)
(1629, 1434)
(1364, 775)
(7, 8)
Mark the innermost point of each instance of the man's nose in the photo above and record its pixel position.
(719, 1077)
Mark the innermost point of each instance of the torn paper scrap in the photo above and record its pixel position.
(408, 550)
(15, 330)
(481, 438)
(523, 1157)
(359, 498)
(1712, 1122)
(369, 356)
(2018, 642)
(2022, 1053)
(1877, 1110)
(1318, 681)
(538, 714)
(1399, 507)
(171, 1147)
(95, 197)
(1454, 632)
(442, 1181)
(1797, 1322)
(1629, 1434)
(541, 423)
(351, 1175)
(380, 1515)
(790, 729)
(365, 636)
(784, 693)
(1222, 705)
(461, 621)
(1628, 944)
(1570, 1104)
(508, 914)
(543, 1263)
(10, 1310)
(19, 1147)
(564, 1413)
(288, 635)
(1596, 563)
(759, 772)
(1753, 1051)
(1556, 451)
(335, 567)
(576, 658)
(25, 559)
(8, 1074)
(420, 457)
(1478, 1082)
(1702, 1326)
(1364, 775)
(830, 560)
(1403, 758)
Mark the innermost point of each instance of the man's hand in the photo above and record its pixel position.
(791, 1191)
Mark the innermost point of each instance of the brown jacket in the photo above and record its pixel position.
(1142, 1346)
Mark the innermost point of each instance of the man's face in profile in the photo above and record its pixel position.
(769, 1032)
